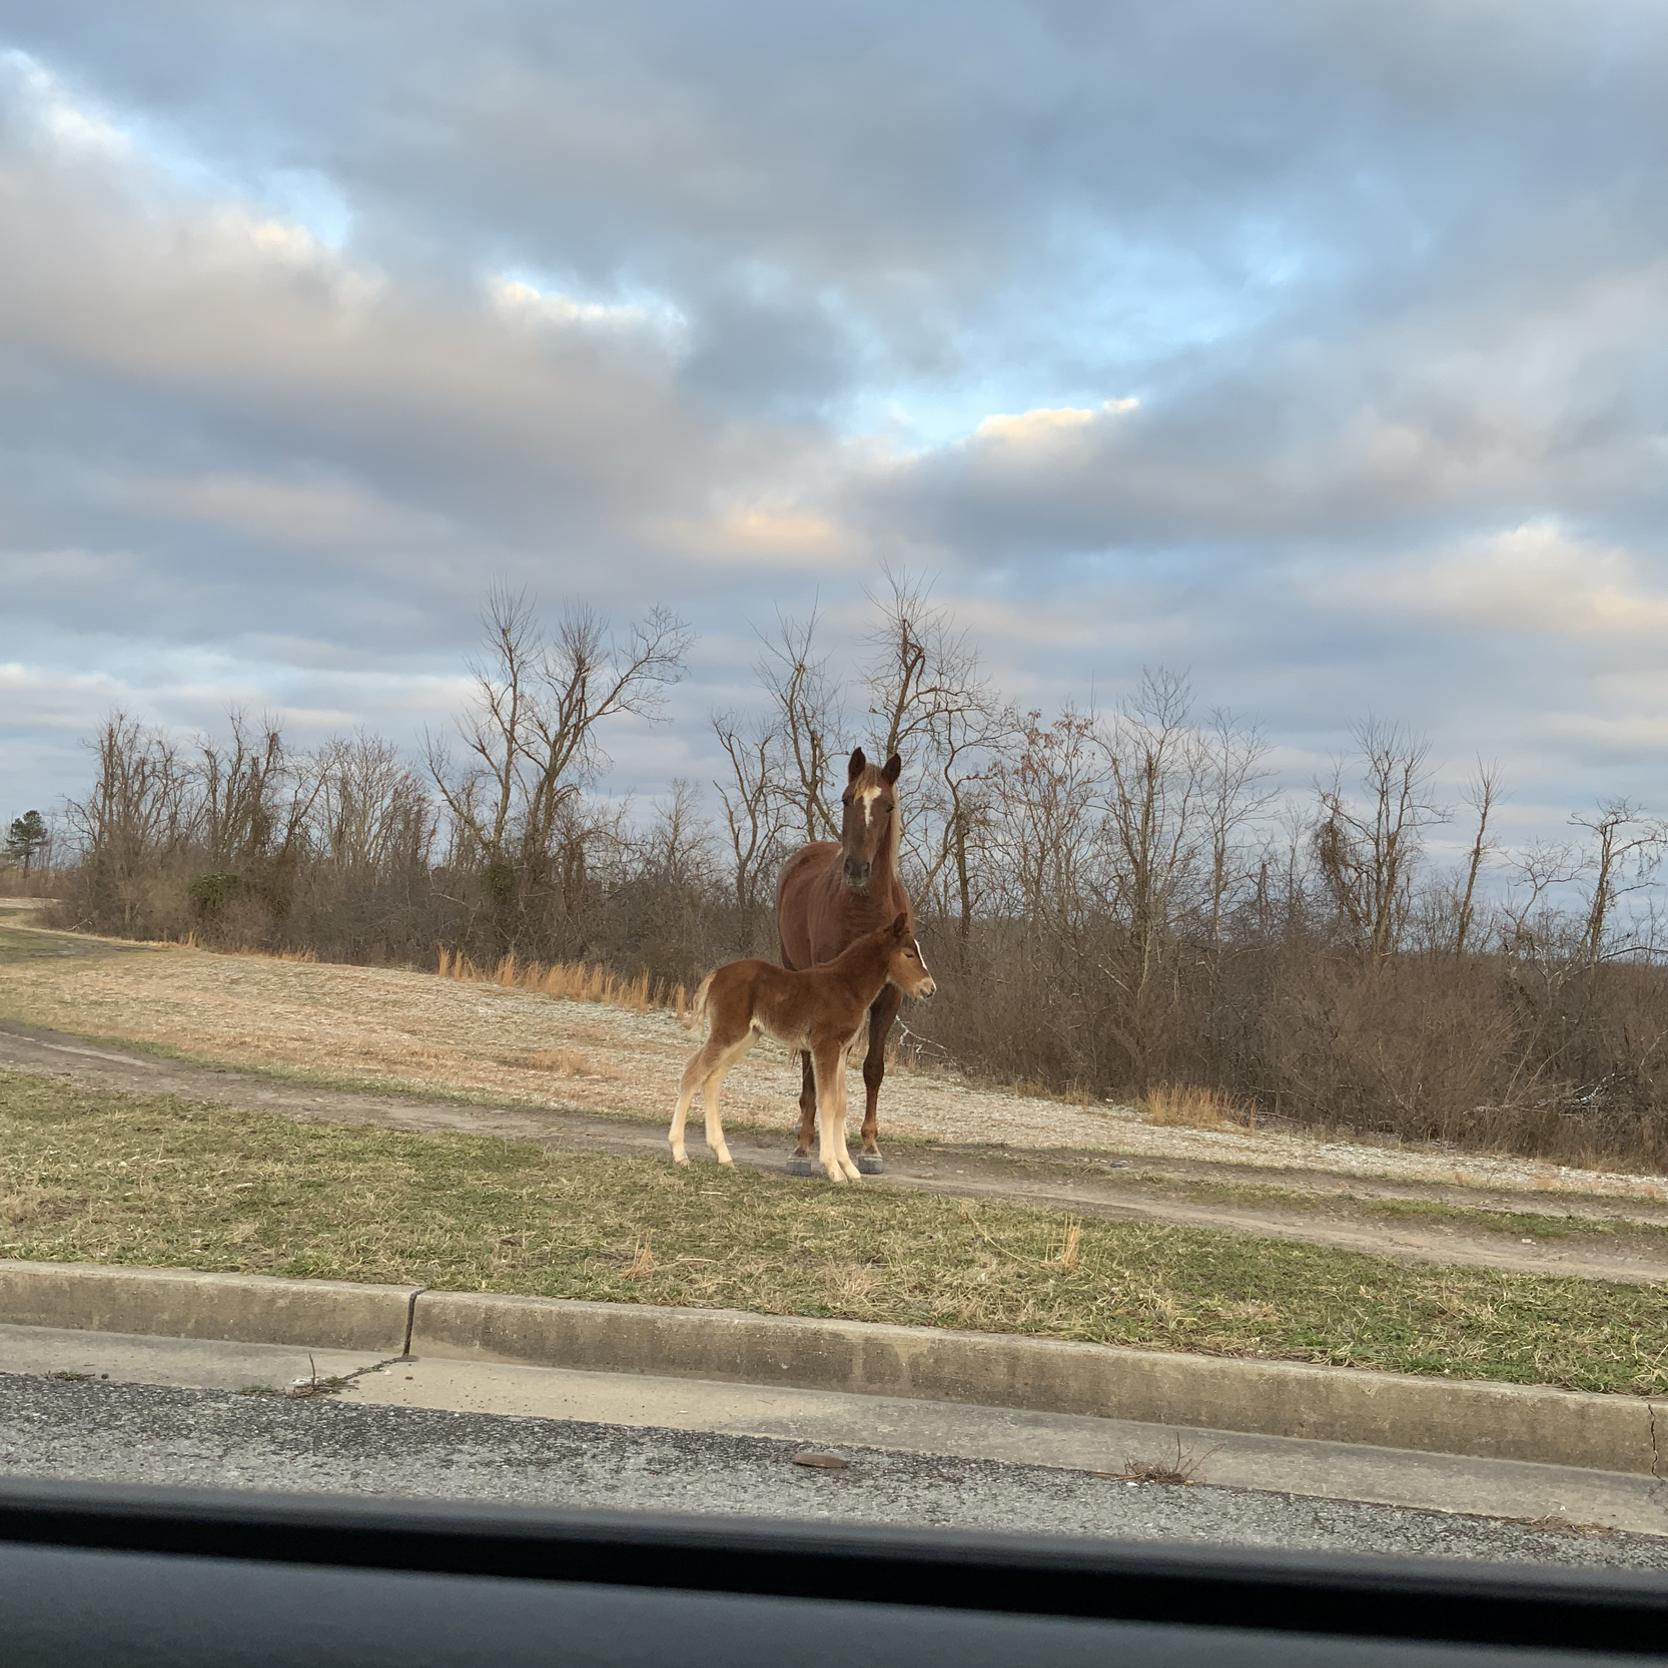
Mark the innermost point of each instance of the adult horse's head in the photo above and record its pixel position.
(868, 830)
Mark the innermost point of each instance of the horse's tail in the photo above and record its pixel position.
(695, 1012)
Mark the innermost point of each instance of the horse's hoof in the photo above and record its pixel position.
(871, 1164)
(799, 1165)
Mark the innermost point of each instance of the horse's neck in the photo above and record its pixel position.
(894, 844)
(862, 966)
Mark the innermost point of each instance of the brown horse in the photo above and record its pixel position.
(829, 896)
(820, 1012)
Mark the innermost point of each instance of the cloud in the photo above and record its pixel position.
(1326, 354)
(515, 298)
(1533, 579)
(1046, 424)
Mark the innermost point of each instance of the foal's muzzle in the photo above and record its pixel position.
(857, 872)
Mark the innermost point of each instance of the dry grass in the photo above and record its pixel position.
(388, 1028)
(565, 1062)
(1186, 1106)
(1033, 1088)
(191, 942)
(1071, 1244)
(89, 1175)
(642, 1261)
(568, 981)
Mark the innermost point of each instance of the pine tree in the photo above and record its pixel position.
(26, 839)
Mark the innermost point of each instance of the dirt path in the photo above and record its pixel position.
(1092, 1188)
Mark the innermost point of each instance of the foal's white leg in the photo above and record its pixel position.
(674, 1136)
(693, 1074)
(715, 1081)
(831, 1113)
(842, 1136)
(715, 1130)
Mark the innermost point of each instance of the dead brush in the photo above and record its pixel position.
(1187, 1106)
(1179, 1469)
(569, 981)
(1556, 1523)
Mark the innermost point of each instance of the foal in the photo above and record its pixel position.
(820, 1011)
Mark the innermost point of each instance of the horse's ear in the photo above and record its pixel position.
(857, 766)
(894, 768)
(900, 927)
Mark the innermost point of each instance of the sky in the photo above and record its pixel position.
(1315, 350)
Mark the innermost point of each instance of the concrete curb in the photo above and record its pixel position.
(1264, 1398)
(229, 1308)
(1043, 1375)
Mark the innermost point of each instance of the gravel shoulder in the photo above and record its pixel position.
(123, 1433)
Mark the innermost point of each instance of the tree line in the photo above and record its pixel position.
(1114, 899)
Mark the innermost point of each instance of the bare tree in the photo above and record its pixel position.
(969, 743)
(1367, 855)
(808, 716)
(753, 803)
(1155, 828)
(1156, 804)
(1236, 795)
(1481, 794)
(374, 814)
(930, 702)
(532, 744)
(677, 847)
(254, 804)
(1044, 814)
(1627, 851)
(1535, 873)
(136, 816)
(481, 794)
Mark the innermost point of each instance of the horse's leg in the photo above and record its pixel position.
(842, 1142)
(715, 1081)
(830, 1068)
(881, 1015)
(802, 1164)
(694, 1075)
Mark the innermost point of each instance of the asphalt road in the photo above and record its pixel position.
(134, 1433)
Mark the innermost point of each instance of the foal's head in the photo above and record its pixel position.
(906, 967)
(866, 832)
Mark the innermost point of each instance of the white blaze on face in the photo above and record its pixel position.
(924, 968)
(868, 796)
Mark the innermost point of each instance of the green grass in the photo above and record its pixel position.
(90, 1176)
(1520, 1223)
(16, 945)
(1516, 1224)
(1311, 1201)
